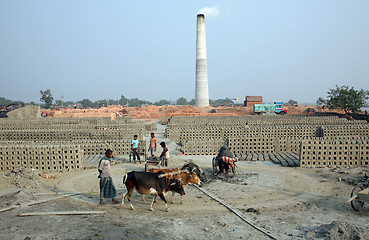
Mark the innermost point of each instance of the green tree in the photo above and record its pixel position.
(221, 102)
(182, 101)
(100, 103)
(46, 97)
(344, 98)
(135, 102)
(4, 101)
(292, 102)
(162, 102)
(123, 100)
(87, 103)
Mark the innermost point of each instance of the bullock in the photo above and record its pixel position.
(184, 176)
(150, 183)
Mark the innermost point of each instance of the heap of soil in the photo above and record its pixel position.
(338, 230)
(24, 178)
(25, 112)
(159, 112)
(15, 198)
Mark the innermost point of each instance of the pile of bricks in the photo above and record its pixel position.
(329, 153)
(60, 144)
(42, 157)
(263, 135)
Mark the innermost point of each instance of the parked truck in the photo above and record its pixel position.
(276, 107)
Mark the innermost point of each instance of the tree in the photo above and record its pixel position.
(182, 101)
(344, 98)
(162, 102)
(135, 102)
(292, 102)
(86, 103)
(221, 102)
(123, 100)
(46, 97)
(4, 101)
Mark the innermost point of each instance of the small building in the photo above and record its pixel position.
(251, 100)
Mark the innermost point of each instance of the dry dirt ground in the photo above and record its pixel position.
(287, 203)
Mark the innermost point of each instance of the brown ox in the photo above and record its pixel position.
(150, 183)
(184, 176)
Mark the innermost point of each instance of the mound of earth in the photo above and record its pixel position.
(24, 178)
(14, 198)
(338, 230)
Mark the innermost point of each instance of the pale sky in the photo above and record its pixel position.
(281, 50)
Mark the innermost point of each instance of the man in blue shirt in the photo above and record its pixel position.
(134, 147)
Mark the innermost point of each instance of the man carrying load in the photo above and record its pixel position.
(225, 163)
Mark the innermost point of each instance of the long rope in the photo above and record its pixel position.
(235, 211)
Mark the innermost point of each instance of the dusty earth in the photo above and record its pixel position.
(287, 203)
(158, 112)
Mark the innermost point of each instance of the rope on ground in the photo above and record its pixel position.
(235, 211)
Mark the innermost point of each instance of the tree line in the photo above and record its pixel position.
(341, 98)
(47, 100)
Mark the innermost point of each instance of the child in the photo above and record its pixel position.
(152, 146)
(134, 147)
(165, 154)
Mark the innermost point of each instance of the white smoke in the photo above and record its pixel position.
(209, 12)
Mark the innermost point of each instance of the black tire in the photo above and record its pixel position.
(215, 165)
(356, 204)
(282, 113)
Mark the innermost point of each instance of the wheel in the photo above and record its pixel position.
(282, 113)
(215, 165)
(356, 204)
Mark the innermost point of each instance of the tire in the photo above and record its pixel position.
(215, 165)
(282, 113)
(356, 204)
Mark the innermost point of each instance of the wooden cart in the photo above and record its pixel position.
(359, 198)
(215, 163)
(152, 161)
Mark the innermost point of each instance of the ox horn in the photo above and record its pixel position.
(169, 174)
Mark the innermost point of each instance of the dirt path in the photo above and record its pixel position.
(287, 202)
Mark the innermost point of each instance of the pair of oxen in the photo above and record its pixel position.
(158, 182)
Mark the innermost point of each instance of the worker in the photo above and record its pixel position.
(135, 149)
(164, 156)
(226, 163)
(107, 188)
(152, 146)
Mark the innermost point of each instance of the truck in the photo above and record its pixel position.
(276, 107)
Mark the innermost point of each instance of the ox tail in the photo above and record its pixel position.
(125, 178)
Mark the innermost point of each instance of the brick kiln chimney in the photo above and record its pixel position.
(202, 90)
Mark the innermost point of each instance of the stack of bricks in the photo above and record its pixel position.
(64, 141)
(42, 157)
(328, 153)
(250, 135)
(198, 147)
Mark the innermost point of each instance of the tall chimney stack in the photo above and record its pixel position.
(202, 89)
